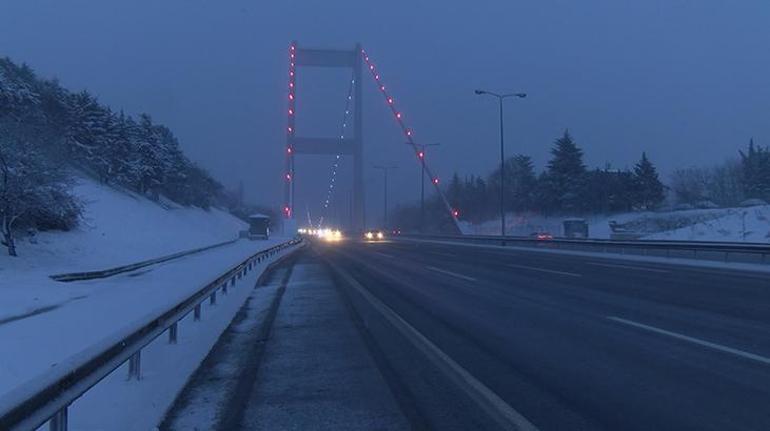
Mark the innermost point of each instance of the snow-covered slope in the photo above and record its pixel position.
(118, 228)
(730, 224)
(750, 224)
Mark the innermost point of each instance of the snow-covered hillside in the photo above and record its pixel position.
(750, 224)
(118, 228)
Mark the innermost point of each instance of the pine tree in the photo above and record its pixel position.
(755, 163)
(563, 186)
(648, 191)
(520, 183)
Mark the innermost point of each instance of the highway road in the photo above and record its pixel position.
(558, 341)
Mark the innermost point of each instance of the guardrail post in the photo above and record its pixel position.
(224, 289)
(172, 333)
(135, 366)
(213, 298)
(197, 312)
(59, 420)
(232, 281)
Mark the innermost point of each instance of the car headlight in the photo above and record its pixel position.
(380, 235)
(369, 235)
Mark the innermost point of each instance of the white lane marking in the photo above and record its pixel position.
(384, 254)
(638, 268)
(693, 340)
(533, 268)
(453, 274)
(438, 253)
(489, 401)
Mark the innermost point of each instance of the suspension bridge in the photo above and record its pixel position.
(346, 143)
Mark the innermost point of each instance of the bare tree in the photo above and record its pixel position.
(32, 186)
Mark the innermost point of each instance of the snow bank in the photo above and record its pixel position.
(44, 323)
(118, 228)
(723, 224)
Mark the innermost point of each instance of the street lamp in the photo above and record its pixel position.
(500, 98)
(385, 170)
(421, 156)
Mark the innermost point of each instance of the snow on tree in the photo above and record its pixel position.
(45, 126)
(32, 187)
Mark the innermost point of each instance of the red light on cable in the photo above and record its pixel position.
(398, 115)
(291, 112)
(390, 100)
(421, 154)
(408, 133)
(291, 96)
(435, 181)
(288, 177)
(371, 67)
(289, 150)
(382, 88)
(291, 85)
(455, 213)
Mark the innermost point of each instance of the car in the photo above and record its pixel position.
(373, 235)
(542, 236)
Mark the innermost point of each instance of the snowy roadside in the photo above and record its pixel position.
(32, 346)
(118, 228)
(751, 224)
(118, 404)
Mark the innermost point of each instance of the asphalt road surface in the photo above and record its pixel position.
(566, 342)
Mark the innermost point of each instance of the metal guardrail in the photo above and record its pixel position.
(91, 275)
(749, 252)
(48, 399)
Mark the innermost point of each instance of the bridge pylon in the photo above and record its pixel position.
(300, 57)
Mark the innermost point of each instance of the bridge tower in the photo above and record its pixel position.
(300, 57)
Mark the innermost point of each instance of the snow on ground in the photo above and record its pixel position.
(750, 224)
(120, 405)
(33, 347)
(44, 324)
(118, 228)
(736, 225)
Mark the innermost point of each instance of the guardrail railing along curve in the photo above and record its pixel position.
(696, 248)
(48, 398)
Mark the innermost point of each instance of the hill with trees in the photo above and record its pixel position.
(566, 187)
(46, 131)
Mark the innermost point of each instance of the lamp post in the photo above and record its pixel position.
(421, 156)
(500, 98)
(385, 170)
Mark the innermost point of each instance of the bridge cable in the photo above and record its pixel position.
(336, 164)
(409, 134)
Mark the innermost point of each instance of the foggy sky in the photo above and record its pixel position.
(686, 81)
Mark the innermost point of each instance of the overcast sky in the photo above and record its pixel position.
(686, 81)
